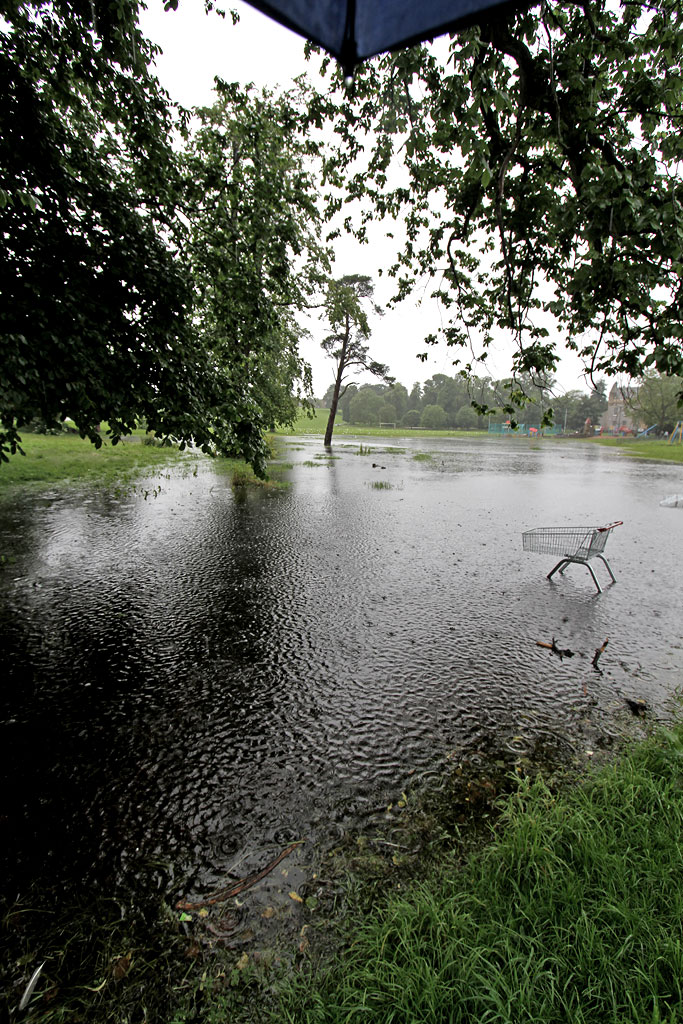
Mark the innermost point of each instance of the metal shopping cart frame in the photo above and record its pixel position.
(574, 543)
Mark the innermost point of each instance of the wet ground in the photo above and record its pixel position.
(196, 677)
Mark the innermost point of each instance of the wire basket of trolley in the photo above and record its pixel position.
(573, 543)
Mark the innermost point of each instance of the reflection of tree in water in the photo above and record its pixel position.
(191, 676)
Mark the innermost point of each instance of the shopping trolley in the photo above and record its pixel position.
(575, 544)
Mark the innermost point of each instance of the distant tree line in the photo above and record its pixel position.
(444, 402)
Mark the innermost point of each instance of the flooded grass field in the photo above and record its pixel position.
(197, 676)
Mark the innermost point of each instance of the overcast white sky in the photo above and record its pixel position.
(197, 47)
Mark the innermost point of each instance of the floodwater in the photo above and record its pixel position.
(196, 676)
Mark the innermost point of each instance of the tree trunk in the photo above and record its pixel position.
(341, 366)
(333, 405)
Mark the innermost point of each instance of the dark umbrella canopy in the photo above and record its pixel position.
(352, 30)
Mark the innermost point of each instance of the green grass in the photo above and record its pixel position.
(318, 423)
(67, 457)
(644, 449)
(571, 915)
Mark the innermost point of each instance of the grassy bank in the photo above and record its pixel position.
(571, 914)
(644, 449)
(64, 459)
(67, 457)
(557, 905)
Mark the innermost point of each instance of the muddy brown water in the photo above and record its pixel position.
(195, 677)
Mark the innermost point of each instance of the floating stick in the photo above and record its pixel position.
(598, 652)
(238, 887)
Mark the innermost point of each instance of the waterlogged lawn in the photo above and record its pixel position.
(65, 457)
(571, 915)
(644, 449)
(318, 423)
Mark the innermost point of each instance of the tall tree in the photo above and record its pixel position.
(594, 404)
(537, 171)
(569, 411)
(348, 321)
(415, 396)
(398, 396)
(94, 320)
(113, 307)
(657, 402)
(366, 406)
(345, 400)
(254, 249)
(327, 397)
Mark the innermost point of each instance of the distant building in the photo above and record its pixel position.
(619, 418)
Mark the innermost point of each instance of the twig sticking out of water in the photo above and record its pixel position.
(561, 653)
(238, 887)
(598, 652)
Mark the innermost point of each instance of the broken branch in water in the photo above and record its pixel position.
(238, 887)
(598, 652)
(566, 653)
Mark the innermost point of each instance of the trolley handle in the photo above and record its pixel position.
(604, 529)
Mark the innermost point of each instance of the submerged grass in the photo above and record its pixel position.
(242, 475)
(109, 962)
(571, 914)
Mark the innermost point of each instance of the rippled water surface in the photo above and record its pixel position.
(198, 676)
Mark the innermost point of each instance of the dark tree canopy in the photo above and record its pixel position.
(93, 321)
(537, 173)
(124, 296)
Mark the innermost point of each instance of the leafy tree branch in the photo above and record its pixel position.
(543, 167)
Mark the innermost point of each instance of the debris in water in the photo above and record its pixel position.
(561, 653)
(598, 652)
(244, 883)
